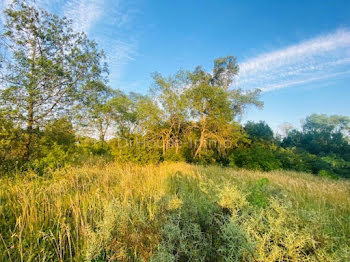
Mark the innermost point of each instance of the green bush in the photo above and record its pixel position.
(54, 157)
(258, 195)
(136, 149)
(11, 146)
(53, 147)
(200, 229)
(328, 174)
(338, 166)
(291, 160)
(255, 158)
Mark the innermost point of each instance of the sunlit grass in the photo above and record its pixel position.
(173, 212)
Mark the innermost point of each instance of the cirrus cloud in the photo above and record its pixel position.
(323, 57)
(106, 21)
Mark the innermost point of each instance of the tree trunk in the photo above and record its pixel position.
(102, 133)
(167, 141)
(102, 137)
(164, 145)
(176, 146)
(202, 138)
(31, 101)
(201, 144)
(167, 137)
(29, 132)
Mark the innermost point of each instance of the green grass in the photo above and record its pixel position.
(173, 212)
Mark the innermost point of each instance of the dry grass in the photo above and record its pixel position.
(141, 213)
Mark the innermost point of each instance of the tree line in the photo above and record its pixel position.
(57, 109)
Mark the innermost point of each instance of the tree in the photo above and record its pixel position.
(225, 69)
(48, 68)
(11, 145)
(259, 131)
(124, 114)
(325, 134)
(170, 93)
(321, 135)
(96, 112)
(148, 116)
(212, 104)
(60, 132)
(285, 128)
(322, 122)
(138, 122)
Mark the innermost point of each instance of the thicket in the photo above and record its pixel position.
(55, 98)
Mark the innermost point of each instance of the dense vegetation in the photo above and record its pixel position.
(173, 212)
(54, 99)
(88, 172)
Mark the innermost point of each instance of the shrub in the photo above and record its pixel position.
(291, 160)
(328, 174)
(11, 146)
(258, 195)
(136, 149)
(255, 158)
(55, 147)
(201, 229)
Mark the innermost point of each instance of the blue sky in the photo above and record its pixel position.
(297, 52)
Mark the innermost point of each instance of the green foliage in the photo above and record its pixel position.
(199, 229)
(259, 131)
(255, 158)
(173, 212)
(50, 70)
(136, 149)
(322, 122)
(212, 105)
(11, 146)
(292, 160)
(338, 165)
(54, 148)
(322, 135)
(54, 84)
(258, 195)
(325, 173)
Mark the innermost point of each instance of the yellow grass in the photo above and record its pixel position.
(120, 212)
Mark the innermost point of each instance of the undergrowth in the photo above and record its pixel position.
(173, 212)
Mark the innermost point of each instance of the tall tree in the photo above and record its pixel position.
(321, 135)
(225, 70)
(47, 69)
(259, 131)
(213, 104)
(124, 113)
(94, 113)
(170, 93)
(285, 128)
(322, 122)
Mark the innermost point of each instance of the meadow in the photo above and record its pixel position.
(92, 171)
(173, 212)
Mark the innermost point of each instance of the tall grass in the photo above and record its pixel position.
(173, 212)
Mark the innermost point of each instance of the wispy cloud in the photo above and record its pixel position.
(120, 54)
(3, 5)
(84, 13)
(322, 57)
(106, 21)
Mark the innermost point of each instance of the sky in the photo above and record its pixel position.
(296, 52)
